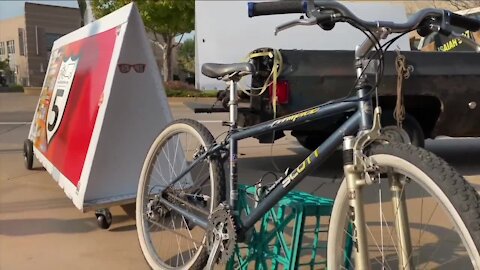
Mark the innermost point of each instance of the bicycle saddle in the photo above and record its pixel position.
(213, 70)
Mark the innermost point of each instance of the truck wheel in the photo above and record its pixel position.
(311, 142)
(410, 125)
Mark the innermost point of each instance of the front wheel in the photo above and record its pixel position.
(440, 215)
(169, 240)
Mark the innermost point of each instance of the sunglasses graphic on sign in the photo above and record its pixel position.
(125, 68)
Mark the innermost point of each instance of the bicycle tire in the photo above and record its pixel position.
(456, 195)
(217, 182)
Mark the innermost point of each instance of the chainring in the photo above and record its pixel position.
(221, 216)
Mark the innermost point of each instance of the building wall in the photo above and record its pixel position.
(9, 30)
(44, 24)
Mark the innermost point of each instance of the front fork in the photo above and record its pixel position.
(357, 168)
(397, 189)
(355, 206)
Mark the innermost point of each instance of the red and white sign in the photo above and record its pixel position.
(101, 106)
(61, 90)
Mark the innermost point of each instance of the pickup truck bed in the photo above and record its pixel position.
(441, 93)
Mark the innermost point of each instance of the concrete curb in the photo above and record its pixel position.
(32, 91)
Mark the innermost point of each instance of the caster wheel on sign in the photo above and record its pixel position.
(28, 154)
(104, 218)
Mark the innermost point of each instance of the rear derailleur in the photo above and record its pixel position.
(156, 210)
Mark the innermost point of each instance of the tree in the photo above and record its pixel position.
(4, 65)
(455, 5)
(186, 56)
(464, 4)
(82, 5)
(165, 19)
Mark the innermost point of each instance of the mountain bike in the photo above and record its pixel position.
(402, 206)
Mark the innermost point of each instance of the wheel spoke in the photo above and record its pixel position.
(173, 154)
(177, 233)
(381, 220)
(376, 244)
(438, 246)
(426, 186)
(351, 237)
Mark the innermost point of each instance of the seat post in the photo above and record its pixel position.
(233, 104)
(233, 156)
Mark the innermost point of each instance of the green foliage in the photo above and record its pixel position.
(4, 65)
(186, 56)
(168, 18)
(104, 7)
(189, 93)
(165, 17)
(182, 89)
(15, 88)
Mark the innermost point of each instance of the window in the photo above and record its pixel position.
(21, 41)
(10, 46)
(50, 39)
(2, 48)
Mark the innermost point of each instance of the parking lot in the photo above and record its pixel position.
(41, 229)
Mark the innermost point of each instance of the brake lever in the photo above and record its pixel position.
(301, 21)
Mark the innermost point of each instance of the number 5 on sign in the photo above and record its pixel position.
(60, 94)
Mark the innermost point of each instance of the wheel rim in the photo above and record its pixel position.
(170, 240)
(439, 240)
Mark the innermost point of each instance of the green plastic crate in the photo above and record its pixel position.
(282, 239)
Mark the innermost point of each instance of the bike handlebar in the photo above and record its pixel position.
(275, 8)
(341, 11)
(464, 22)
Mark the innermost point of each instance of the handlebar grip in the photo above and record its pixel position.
(276, 7)
(464, 22)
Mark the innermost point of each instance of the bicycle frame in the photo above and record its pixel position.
(357, 167)
(361, 123)
(313, 161)
(361, 120)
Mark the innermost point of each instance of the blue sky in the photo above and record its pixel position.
(14, 8)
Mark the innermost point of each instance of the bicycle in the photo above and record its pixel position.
(182, 188)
